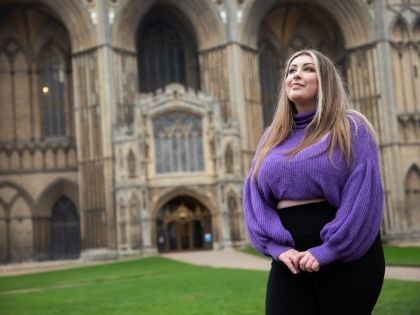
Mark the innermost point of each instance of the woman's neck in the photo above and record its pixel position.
(303, 119)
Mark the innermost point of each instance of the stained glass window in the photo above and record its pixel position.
(178, 143)
(166, 54)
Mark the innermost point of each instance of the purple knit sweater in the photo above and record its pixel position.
(356, 192)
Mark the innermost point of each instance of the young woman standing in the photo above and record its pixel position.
(313, 199)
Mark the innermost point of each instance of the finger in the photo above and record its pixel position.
(309, 263)
(289, 265)
(295, 260)
(303, 262)
(301, 254)
(312, 265)
(315, 266)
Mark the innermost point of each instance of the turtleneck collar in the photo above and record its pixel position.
(301, 120)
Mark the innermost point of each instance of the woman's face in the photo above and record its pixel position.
(302, 83)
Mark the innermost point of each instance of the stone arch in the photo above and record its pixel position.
(412, 193)
(51, 34)
(16, 226)
(203, 15)
(295, 26)
(167, 195)
(399, 30)
(355, 22)
(72, 13)
(53, 191)
(20, 192)
(183, 223)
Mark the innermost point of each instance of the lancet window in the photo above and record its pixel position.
(269, 76)
(52, 77)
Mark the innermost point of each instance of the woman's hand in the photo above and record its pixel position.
(291, 259)
(308, 262)
(299, 261)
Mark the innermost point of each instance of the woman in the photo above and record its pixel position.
(313, 199)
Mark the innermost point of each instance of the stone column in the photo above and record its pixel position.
(391, 159)
(107, 104)
(94, 104)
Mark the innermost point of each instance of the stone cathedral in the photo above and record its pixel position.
(128, 126)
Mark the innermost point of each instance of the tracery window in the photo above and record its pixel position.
(51, 78)
(287, 28)
(166, 53)
(178, 143)
(269, 76)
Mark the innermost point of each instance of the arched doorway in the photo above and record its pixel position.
(65, 242)
(183, 224)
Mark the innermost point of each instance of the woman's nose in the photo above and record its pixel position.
(296, 74)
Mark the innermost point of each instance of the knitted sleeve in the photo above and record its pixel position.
(264, 227)
(356, 225)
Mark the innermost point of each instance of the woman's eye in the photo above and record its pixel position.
(309, 69)
(292, 71)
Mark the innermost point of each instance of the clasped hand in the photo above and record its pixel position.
(299, 261)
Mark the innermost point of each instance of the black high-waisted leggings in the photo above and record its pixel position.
(339, 288)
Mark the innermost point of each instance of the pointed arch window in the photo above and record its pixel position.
(52, 81)
(178, 143)
(269, 78)
(400, 32)
(412, 190)
(131, 162)
(235, 233)
(167, 53)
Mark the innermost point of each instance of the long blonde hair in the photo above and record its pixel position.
(332, 109)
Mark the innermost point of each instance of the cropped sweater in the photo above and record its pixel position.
(355, 191)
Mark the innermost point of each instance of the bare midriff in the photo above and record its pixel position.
(290, 203)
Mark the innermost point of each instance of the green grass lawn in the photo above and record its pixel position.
(399, 298)
(402, 256)
(161, 287)
(146, 286)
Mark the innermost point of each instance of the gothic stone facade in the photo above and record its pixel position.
(128, 126)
